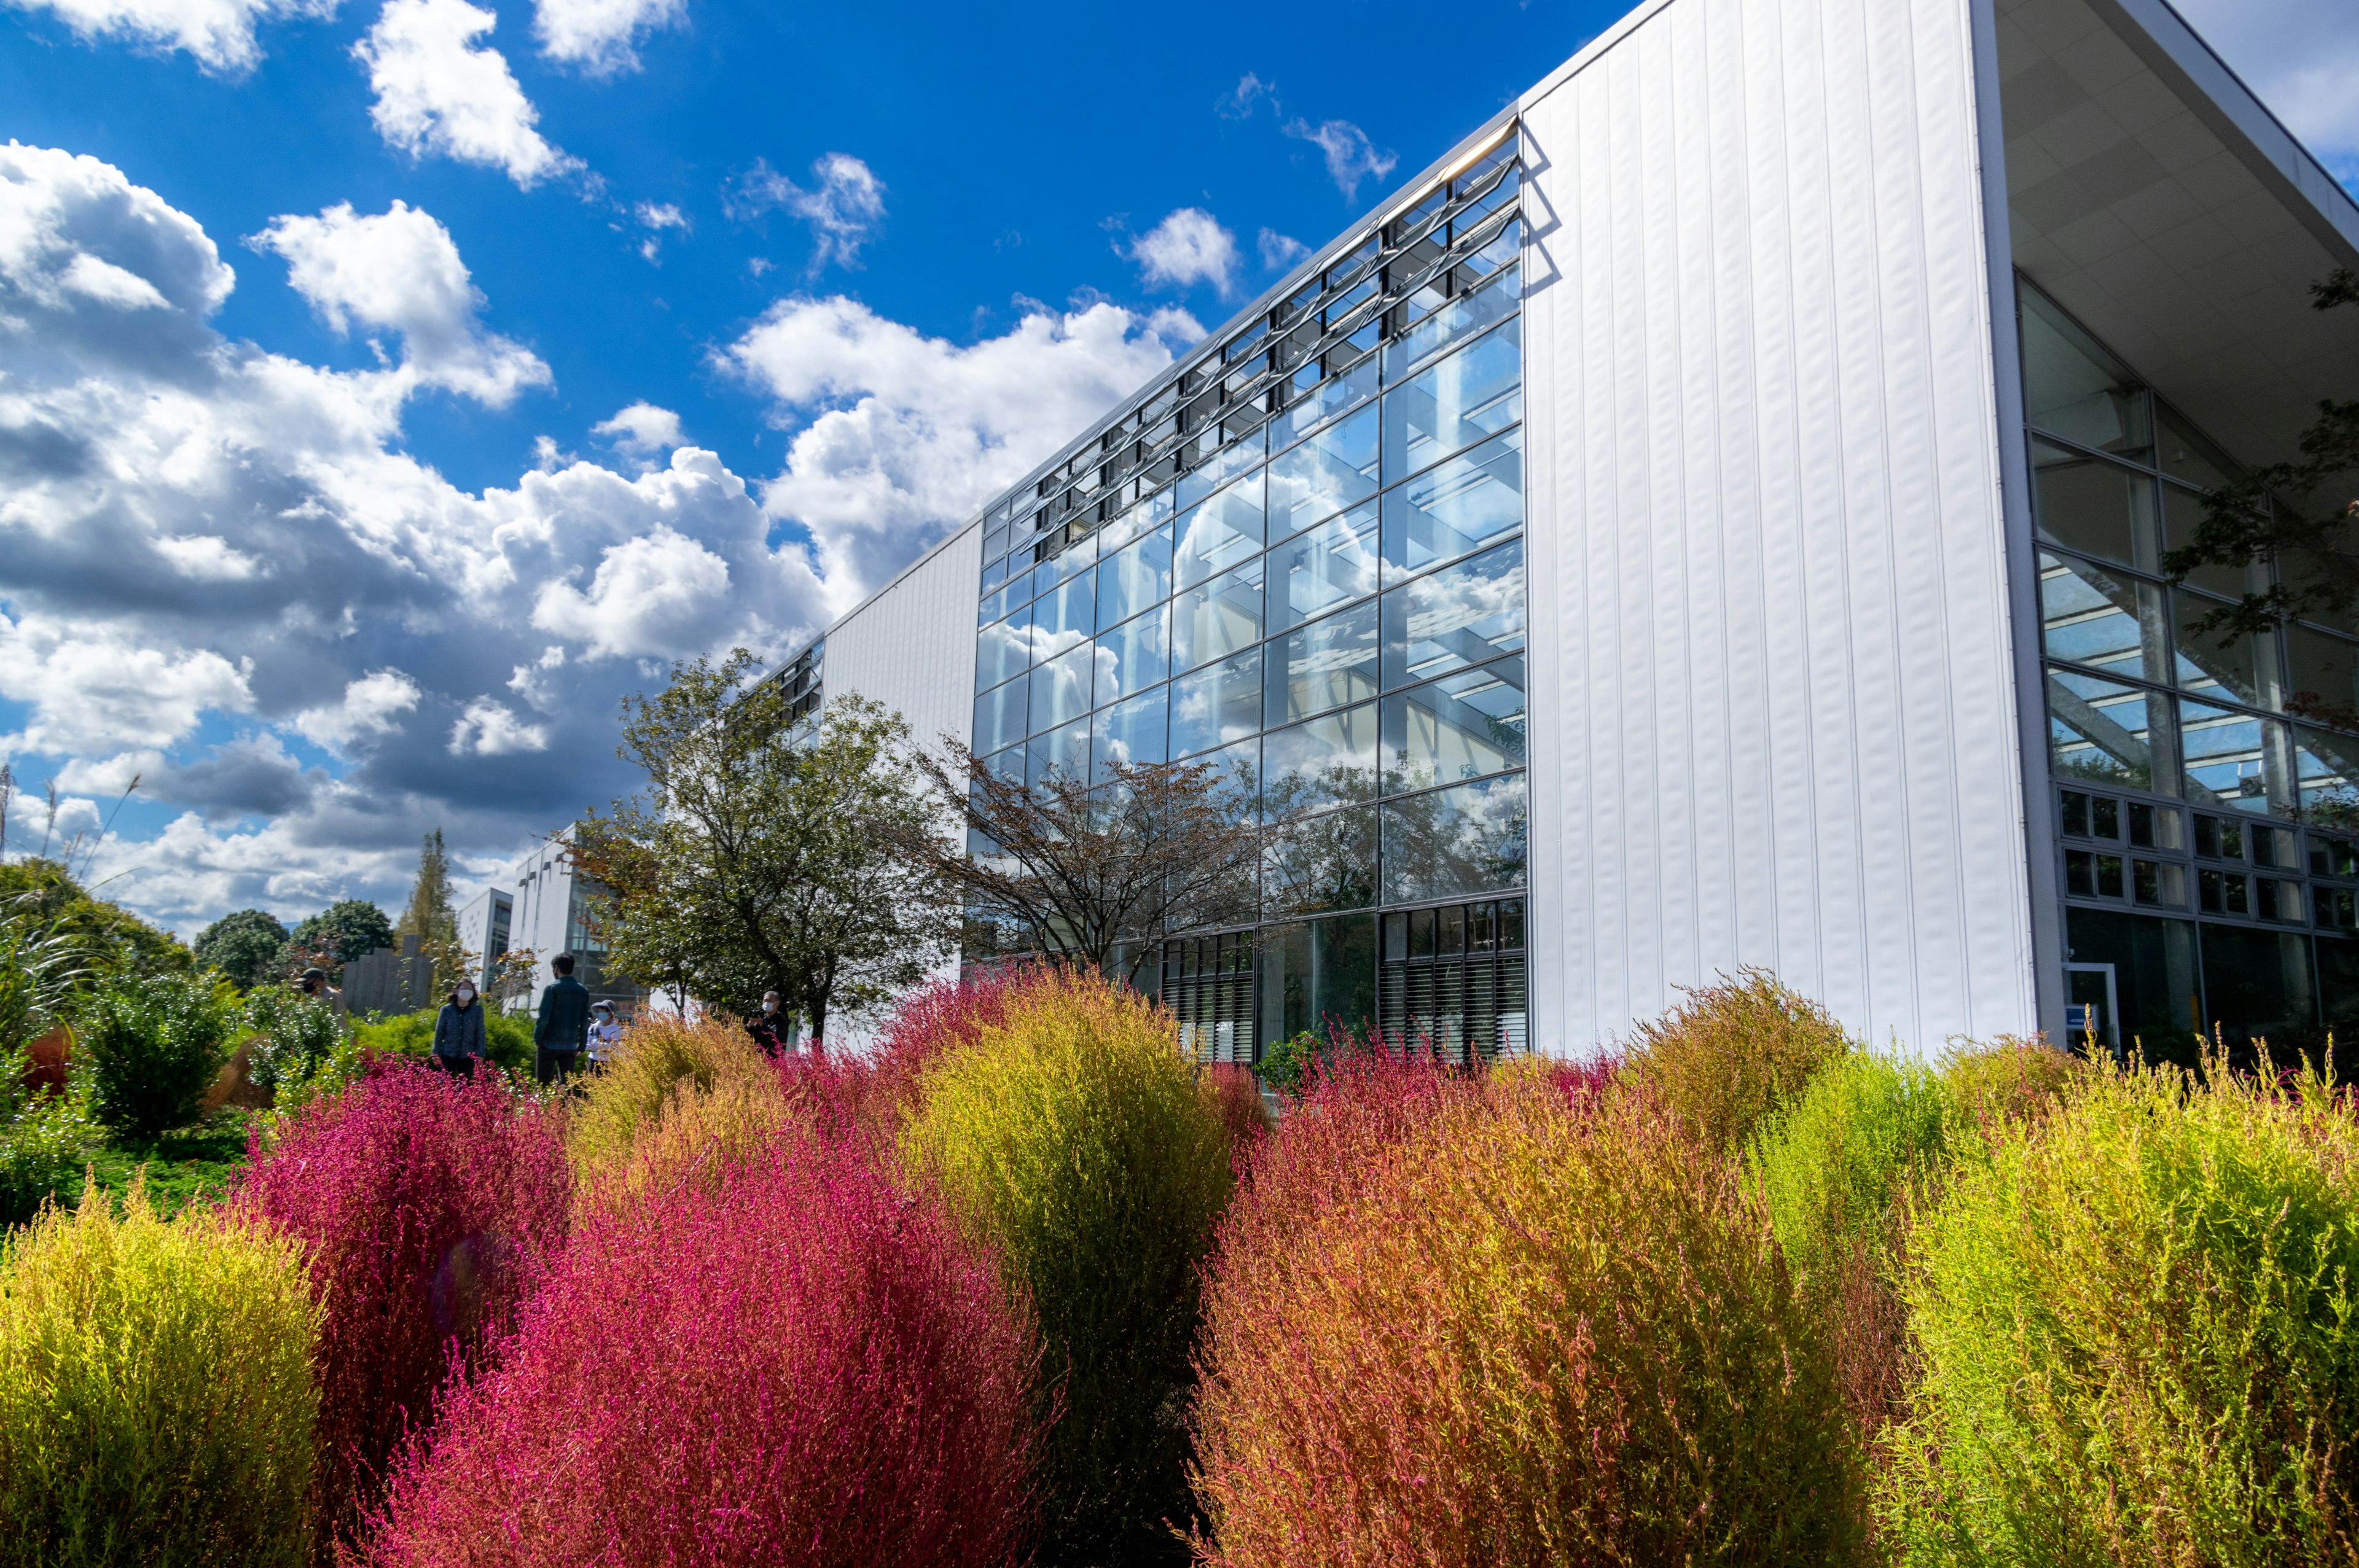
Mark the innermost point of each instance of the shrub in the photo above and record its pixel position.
(1536, 1328)
(426, 1206)
(1993, 1086)
(1733, 1054)
(1073, 1139)
(156, 1396)
(1234, 1095)
(154, 1044)
(2139, 1325)
(699, 1138)
(802, 1365)
(1287, 1063)
(507, 1037)
(42, 1136)
(632, 1091)
(294, 1037)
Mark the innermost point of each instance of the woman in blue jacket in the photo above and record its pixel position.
(459, 1032)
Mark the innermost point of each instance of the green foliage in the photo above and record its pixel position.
(1831, 1166)
(2138, 1320)
(106, 939)
(154, 1044)
(507, 1037)
(246, 946)
(293, 1036)
(1073, 1139)
(1286, 1064)
(189, 1168)
(1994, 1086)
(42, 1141)
(157, 1403)
(1733, 1054)
(350, 928)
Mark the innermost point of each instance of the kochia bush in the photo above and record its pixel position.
(797, 1363)
(424, 1205)
(1510, 1322)
(2138, 1319)
(156, 1393)
(1733, 1054)
(659, 1054)
(1073, 1139)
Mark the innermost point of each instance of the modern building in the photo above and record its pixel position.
(542, 902)
(1712, 517)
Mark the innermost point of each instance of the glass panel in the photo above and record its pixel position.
(2075, 389)
(1449, 842)
(2183, 454)
(2257, 983)
(1335, 468)
(1139, 577)
(2182, 514)
(1147, 515)
(1318, 976)
(1063, 753)
(1219, 533)
(1323, 665)
(1457, 617)
(1064, 616)
(1134, 656)
(1462, 318)
(1461, 727)
(1081, 553)
(1216, 705)
(2096, 507)
(2092, 617)
(1448, 511)
(2230, 759)
(1060, 690)
(1130, 732)
(2143, 967)
(1326, 762)
(1221, 467)
(1474, 393)
(1317, 863)
(1003, 650)
(1219, 618)
(999, 717)
(2325, 677)
(2326, 770)
(1334, 395)
(1333, 564)
(2237, 667)
(2099, 731)
(2075, 813)
(994, 605)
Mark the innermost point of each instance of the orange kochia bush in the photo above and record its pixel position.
(1457, 1320)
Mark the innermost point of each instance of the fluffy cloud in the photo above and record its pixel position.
(1188, 247)
(438, 92)
(642, 430)
(598, 36)
(844, 205)
(1278, 251)
(490, 729)
(649, 597)
(400, 271)
(909, 433)
(2302, 58)
(96, 690)
(218, 33)
(1350, 156)
(370, 705)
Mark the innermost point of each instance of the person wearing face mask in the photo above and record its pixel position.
(769, 1027)
(605, 1035)
(458, 1031)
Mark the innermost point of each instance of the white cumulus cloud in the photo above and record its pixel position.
(1188, 247)
(1350, 156)
(97, 689)
(370, 705)
(439, 92)
(652, 596)
(599, 38)
(642, 430)
(843, 204)
(219, 34)
(490, 729)
(400, 271)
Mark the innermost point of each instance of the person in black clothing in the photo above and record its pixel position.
(564, 1025)
(459, 1032)
(767, 1027)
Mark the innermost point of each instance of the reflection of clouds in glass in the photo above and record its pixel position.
(1060, 689)
(1468, 838)
(1217, 534)
(1334, 469)
(1457, 617)
(1333, 564)
(1216, 705)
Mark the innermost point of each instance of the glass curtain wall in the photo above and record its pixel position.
(1301, 559)
(2204, 782)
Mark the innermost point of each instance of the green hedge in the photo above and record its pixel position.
(507, 1037)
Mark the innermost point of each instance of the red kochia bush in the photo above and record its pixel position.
(426, 1207)
(798, 1364)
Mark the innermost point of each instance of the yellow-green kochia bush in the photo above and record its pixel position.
(2138, 1324)
(1073, 1139)
(156, 1395)
(1732, 1054)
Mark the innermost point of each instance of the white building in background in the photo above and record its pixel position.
(1711, 518)
(541, 902)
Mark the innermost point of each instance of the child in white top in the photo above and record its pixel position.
(605, 1035)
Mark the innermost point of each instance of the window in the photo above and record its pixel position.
(1132, 733)
(1326, 762)
(1134, 656)
(1460, 726)
(2093, 875)
(1333, 564)
(1446, 511)
(1473, 395)
(1456, 617)
(1220, 618)
(1468, 839)
(999, 717)
(1217, 706)
(1135, 578)
(2110, 624)
(2094, 507)
(1061, 688)
(1315, 864)
(1335, 468)
(1003, 650)
(1217, 533)
(2099, 731)
(1325, 664)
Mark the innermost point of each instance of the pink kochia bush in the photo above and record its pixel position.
(800, 1364)
(425, 1207)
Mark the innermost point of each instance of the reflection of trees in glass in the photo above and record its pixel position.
(1323, 862)
(1470, 839)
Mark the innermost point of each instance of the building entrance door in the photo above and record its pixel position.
(2092, 1005)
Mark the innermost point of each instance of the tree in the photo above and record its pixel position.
(106, 939)
(347, 929)
(2297, 516)
(429, 917)
(754, 860)
(1059, 868)
(244, 945)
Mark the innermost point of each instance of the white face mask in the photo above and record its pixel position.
(466, 994)
(769, 1005)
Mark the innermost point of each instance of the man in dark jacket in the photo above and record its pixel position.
(564, 1026)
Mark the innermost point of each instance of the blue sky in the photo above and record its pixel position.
(390, 384)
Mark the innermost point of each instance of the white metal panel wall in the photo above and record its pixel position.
(1772, 710)
(912, 647)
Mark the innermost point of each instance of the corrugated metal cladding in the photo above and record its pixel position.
(912, 648)
(1772, 710)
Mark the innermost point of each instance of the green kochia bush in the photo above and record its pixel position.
(1073, 1141)
(156, 1394)
(1832, 1165)
(154, 1043)
(2138, 1321)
